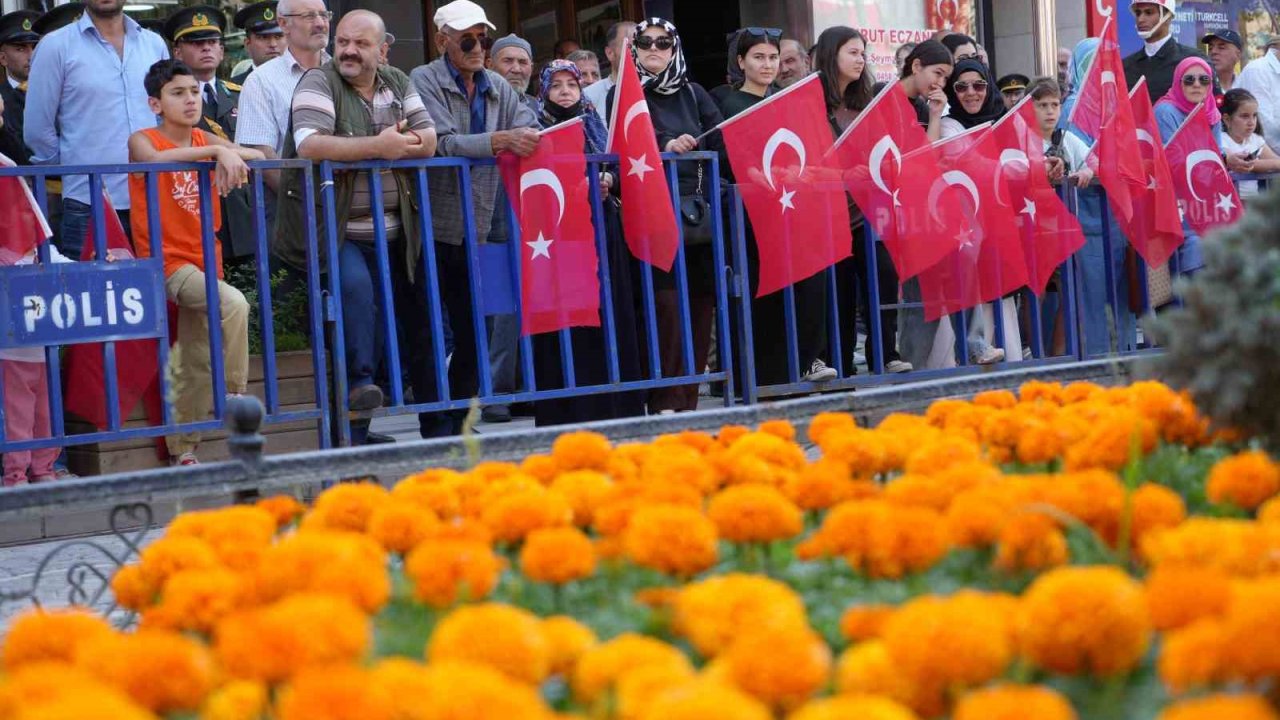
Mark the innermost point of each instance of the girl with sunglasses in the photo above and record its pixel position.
(681, 111)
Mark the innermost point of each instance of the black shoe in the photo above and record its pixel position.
(375, 438)
(365, 397)
(495, 414)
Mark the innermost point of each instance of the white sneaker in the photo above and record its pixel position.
(186, 459)
(819, 372)
(988, 356)
(1026, 353)
(895, 367)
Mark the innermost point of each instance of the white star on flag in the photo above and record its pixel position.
(1225, 203)
(786, 199)
(1029, 209)
(541, 247)
(896, 201)
(639, 167)
(1151, 183)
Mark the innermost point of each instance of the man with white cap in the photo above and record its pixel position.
(1262, 78)
(1161, 53)
(477, 115)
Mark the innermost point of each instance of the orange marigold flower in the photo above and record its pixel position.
(959, 641)
(1094, 497)
(1014, 702)
(567, 640)
(462, 529)
(864, 622)
(1030, 541)
(600, 667)
(542, 468)
(335, 693)
(941, 454)
(557, 555)
(1112, 441)
(283, 508)
(455, 690)
(1217, 707)
(195, 600)
(754, 513)
(863, 707)
(491, 471)
(1237, 547)
(581, 451)
(437, 492)
(271, 643)
(43, 635)
(879, 539)
(346, 506)
(927, 491)
(237, 700)
(822, 423)
(235, 533)
(445, 571)
(585, 490)
(132, 589)
(780, 428)
(730, 433)
(781, 667)
(503, 637)
(161, 671)
(87, 703)
(1269, 513)
(341, 563)
(671, 539)
(769, 452)
(682, 466)
(701, 441)
(1085, 620)
(820, 485)
(702, 700)
(513, 516)
(170, 555)
(863, 451)
(1179, 596)
(1154, 507)
(636, 689)
(1253, 621)
(1040, 442)
(1035, 390)
(977, 516)
(867, 668)
(1246, 480)
(712, 613)
(1079, 392)
(398, 526)
(998, 399)
(1191, 657)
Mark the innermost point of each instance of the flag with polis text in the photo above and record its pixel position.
(1156, 229)
(1205, 189)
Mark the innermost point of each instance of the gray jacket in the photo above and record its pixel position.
(451, 112)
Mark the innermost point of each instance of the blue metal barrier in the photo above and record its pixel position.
(149, 271)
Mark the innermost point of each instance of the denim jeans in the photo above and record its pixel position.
(76, 221)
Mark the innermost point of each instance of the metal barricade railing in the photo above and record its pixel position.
(148, 273)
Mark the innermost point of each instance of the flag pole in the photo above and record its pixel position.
(748, 111)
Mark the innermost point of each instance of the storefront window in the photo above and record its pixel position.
(887, 25)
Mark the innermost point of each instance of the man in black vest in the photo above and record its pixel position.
(1160, 55)
(17, 43)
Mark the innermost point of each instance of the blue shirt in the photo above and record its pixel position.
(84, 101)
(478, 110)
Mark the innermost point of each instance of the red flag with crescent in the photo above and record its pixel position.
(1205, 189)
(1156, 229)
(648, 217)
(559, 286)
(891, 183)
(798, 207)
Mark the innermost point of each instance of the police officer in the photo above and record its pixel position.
(1013, 87)
(17, 42)
(263, 38)
(195, 33)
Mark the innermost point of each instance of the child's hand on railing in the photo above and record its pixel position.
(232, 171)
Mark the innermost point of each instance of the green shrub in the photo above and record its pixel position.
(288, 310)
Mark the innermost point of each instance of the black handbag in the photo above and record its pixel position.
(695, 215)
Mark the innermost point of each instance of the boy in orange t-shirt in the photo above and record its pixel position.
(174, 95)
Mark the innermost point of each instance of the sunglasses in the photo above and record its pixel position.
(644, 42)
(976, 85)
(1193, 80)
(773, 35)
(467, 43)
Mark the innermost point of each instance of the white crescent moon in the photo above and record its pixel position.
(885, 146)
(1144, 136)
(543, 176)
(1100, 6)
(962, 179)
(1196, 158)
(636, 110)
(1008, 156)
(1108, 77)
(782, 136)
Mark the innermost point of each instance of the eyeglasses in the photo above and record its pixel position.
(1193, 80)
(645, 42)
(310, 16)
(467, 43)
(976, 85)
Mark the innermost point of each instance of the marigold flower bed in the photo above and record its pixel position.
(1063, 552)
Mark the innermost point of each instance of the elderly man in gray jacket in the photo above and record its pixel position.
(477, 115)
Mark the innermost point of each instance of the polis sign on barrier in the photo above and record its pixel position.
(71, 303)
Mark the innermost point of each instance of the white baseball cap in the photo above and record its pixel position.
(460, 15)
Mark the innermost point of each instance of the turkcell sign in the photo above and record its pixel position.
(71, 303)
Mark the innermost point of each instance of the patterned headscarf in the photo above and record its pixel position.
(553, 114)
(1177, 97)
(675, 75)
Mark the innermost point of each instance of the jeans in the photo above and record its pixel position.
(504, 353)
(76, 221)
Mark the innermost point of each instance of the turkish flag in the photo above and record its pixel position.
(1099, 12)
(648, 217)
(1204, 186)
(798, 208)
(989, 262)
(1103, 112)
(1049, 232)
(1156, 230)
(22, 225)
(559, 287)
(891, 183)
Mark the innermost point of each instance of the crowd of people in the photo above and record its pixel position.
(86, 84)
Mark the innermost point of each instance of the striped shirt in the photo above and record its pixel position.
(313, 113)
(263, 115)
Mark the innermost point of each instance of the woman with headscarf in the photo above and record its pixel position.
(561, 101)
(682, 111)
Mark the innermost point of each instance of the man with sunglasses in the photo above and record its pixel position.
(1161, 53)
(477, 115)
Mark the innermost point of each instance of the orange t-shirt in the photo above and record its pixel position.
(179, 196)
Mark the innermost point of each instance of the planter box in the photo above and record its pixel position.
(296, 385)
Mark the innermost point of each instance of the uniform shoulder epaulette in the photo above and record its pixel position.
(232, 86)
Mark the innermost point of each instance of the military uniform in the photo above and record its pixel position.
(218, 117)
(16, 28)
(256, 19)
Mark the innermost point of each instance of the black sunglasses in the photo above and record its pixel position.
(773, 35)
(644, 42)
(1192, 80)
(467, 43)
(978, 85)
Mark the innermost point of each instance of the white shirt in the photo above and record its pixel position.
(1251, 144)
(1262, 78)
(12, 83)
(598, 93)
(1152, 48)
(266, 101)
(1076, 152)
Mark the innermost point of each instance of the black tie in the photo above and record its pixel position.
(210, 100)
